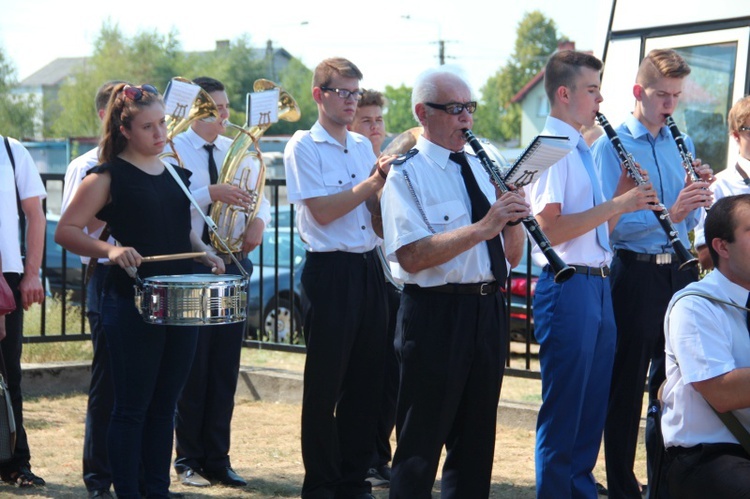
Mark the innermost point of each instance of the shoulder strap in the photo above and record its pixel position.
(728, 418)
(21, 214)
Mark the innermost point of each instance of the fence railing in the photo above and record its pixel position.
(276, 300)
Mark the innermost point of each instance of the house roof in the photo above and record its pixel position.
(54, 73)
(527, 88)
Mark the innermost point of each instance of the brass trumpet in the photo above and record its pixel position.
(230, 218)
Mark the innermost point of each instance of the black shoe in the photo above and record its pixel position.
(226, 476)
(23, 477)
(101, 494)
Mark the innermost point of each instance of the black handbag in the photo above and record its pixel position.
(7, 420)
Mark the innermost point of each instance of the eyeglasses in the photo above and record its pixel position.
(455, 107)
(136, 93)
(344, 93)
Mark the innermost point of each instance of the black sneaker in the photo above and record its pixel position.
(376, 479)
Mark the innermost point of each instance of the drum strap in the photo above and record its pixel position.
(209, 222)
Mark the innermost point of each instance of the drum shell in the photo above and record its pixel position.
(192, 299)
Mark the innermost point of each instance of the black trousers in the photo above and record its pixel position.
(12, 346)
(205, 407)
(96, 471)
(640, 295)
(718, 471)
(387, 416)
(451, 349)
(345, 330)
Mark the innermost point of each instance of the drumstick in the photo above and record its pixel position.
(175, 256)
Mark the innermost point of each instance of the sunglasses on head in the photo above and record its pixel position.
(136, 93)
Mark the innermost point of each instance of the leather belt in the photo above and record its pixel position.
(658, 259)
(228, 259)
(592, 271)
(477, 288)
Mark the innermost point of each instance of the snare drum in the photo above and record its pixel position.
(192, 299)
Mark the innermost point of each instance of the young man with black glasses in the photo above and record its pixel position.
(328, 178)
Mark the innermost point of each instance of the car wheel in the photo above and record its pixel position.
(280, 317)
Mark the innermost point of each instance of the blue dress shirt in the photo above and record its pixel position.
(640, 231)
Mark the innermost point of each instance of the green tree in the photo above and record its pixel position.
(296, 79)
(536, 38)
(398, 116)
(16, 111)
(146, 58)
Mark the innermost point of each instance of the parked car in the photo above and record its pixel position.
(61, 279)
(518, 290)
(279, 318)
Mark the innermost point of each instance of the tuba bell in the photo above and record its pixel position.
(181, 114)
(231, 220)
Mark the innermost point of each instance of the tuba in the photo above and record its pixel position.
(182, 114)
(232, 221)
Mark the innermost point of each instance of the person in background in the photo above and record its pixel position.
(21, 194)
(645, 260)
(708, 365)
(329, 177)
(149, 214)
(573, 320)
(369, 122)
(732, 181)
(96, 473)
(204, 410)
(453, 241)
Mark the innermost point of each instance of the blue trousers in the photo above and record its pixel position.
(149, 365)
(96, 473)
(575, 328)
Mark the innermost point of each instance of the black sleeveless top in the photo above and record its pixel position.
(151, 213)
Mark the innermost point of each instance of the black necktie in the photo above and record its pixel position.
(480, 205)
(213, 176)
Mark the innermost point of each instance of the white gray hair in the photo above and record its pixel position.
(426, 86)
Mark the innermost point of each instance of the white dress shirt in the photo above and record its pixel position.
(30, 185)
(703, 340)
(317, 165)
(74, 175)
(728, 182)
(442, 198)
(567, 183)
(189, 146)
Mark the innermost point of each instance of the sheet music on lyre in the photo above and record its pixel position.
(263, 107)
(179, 97)
(543, 152)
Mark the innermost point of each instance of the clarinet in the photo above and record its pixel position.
(685, 155)
(687, 260)
(562, 270)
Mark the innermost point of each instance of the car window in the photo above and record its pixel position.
(271, 246)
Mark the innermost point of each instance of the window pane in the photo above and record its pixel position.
(707, 98)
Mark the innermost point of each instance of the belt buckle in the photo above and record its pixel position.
(482, 290)
(663, 258)
(601, 272)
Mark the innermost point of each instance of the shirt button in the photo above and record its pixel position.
(340, 182)
(346, 151)
(363, 227)
(354, 176)
(446, 217)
